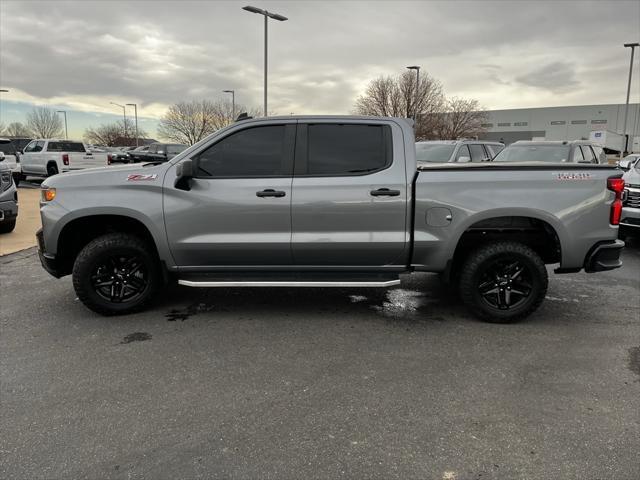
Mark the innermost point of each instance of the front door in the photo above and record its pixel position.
(349, 205)
(237, 212)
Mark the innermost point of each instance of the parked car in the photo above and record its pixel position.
(8, 200)
(576, 151)
(8, 157)
(116, 155)
(630, 220)
(327, 201)
(163, 151)
(47, 157)
(463, 151)
(629, 161)
(138, 154)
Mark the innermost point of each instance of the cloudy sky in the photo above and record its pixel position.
(79, 56)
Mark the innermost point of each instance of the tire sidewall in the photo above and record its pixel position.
(473, 298)
(84, 268)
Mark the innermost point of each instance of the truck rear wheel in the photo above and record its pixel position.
(116, 274)
(52, 170)
(503, 282)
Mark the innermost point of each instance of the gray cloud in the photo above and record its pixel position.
(164, 52)
(556, 77)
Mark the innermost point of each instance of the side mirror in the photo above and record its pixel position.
(464, 159)
(184, 174)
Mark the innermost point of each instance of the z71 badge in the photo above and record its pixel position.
(138, 177)
(573, 176)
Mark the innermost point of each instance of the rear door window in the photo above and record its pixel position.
(343, 150)
(463, 151)
(588, 154)
(477, 153)
(577, 155)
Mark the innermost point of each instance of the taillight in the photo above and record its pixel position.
(65, 158)
(109, 159)
(616, 185)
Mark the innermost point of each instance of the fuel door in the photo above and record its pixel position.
(439, 217)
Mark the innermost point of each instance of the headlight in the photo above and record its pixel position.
(48, 194)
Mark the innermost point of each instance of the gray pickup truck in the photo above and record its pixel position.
(321, 201)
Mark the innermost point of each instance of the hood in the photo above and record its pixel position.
(112, 174)
(632, 177)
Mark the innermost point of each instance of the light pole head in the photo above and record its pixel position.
(4, 90)
(277, 16)
(632, 45)
(414, 67)
(228, 91)
(251, 9)
(132, 104)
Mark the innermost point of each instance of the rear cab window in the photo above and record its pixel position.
(588, 154)
(70, 147)
(463, 151)
(477, 153)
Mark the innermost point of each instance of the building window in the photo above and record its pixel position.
(486, 125)
(558, 122)
(504, 124)
(520, 124)
(578, 122)
(598, 122)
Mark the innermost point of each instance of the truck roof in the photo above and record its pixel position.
(327, 117)
(462, 140)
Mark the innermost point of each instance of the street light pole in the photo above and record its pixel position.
(66, 131)
(233, 103)
(124, 116)
(135, 111)
(267, 15)
(626, 110)
(415, 111)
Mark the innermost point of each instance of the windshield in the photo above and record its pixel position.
(534, 153)
(434, 152)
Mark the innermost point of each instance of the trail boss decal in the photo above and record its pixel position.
(572, 176)
(138, 177)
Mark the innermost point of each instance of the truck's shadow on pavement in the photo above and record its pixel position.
(420, 298)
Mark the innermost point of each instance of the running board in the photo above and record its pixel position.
(288, 283)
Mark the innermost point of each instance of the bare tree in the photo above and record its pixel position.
(461, 118)
(45, 123)
(190, 122)
(17, 129)
(113, 134)
(396, 97)
(2, 128)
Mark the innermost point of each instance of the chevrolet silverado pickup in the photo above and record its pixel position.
(47, 157)
(322, 201)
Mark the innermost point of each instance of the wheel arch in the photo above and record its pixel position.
(542, 232)
(76, 232)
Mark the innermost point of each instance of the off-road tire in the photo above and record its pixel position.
(476, 265)
(95, 253)
(52, 170)
(7, 226)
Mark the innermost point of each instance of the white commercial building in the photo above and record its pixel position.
(601, 123)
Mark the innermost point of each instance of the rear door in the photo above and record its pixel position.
(349, 202)
(237, 210)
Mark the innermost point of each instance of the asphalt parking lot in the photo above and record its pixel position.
(320, 383)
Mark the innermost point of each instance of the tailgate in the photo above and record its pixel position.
(78, 161)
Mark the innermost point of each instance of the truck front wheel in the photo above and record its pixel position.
(503, 282)
(116, 274)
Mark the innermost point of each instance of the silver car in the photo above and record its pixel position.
(630, 219)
